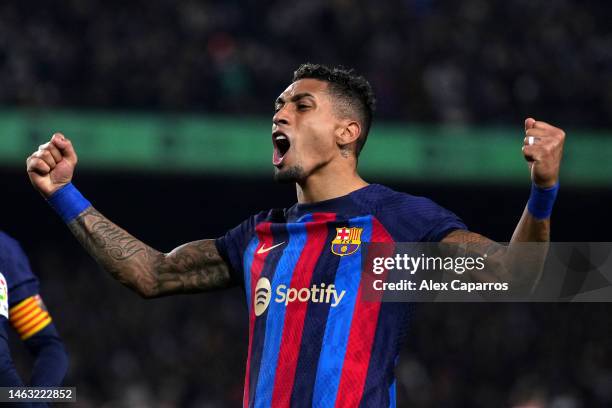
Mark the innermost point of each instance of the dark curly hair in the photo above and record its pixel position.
(352, 91)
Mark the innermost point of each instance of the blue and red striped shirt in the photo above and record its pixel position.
(312, 340)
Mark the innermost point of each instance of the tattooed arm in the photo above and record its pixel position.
(193, 267)
(522, 262)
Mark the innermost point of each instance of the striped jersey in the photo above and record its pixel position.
(313, 341)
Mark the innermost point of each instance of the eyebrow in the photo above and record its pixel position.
(295, 98)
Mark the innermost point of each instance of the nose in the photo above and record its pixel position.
(281, 117)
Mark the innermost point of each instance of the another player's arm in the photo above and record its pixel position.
(193, 267)
(32, 322)
(543, 150)
(28, 316)
(8, 372)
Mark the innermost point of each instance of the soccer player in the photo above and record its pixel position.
(313, 341)
(22, 307)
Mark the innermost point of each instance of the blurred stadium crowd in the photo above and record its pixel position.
(472, 61)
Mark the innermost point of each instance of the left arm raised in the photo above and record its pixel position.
(543, 150)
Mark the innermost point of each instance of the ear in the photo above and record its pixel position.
(348, 132)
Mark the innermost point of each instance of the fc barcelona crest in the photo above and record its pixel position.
(347, 241)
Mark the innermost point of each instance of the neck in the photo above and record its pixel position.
(327, 184)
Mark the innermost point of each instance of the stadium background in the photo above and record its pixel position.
(169, 106)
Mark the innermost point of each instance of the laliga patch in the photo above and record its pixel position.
(347, 241)
(4, 311)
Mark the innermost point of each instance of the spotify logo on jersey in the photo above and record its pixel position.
(263, 294)
(317, 293)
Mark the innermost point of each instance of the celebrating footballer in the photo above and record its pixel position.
(328, 348)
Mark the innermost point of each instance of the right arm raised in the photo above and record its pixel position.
(190, 268)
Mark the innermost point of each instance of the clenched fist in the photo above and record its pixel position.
(52, 165)
(543, 149)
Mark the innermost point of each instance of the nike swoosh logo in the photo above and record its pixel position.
(263, 250)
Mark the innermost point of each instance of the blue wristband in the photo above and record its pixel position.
(541, 201)
(68, 202)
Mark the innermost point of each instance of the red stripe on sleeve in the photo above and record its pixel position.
(295, 312)
(265, 238)
(361, 337)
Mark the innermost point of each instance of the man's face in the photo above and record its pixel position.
(303, 130)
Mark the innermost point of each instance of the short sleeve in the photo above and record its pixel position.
(232, 246)
(15, 266)
(444, 223)
(417, 219)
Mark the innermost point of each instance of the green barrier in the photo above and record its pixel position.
(232, 145)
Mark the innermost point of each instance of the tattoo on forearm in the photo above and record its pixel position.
(475, 243)
(119, 244)
(193, 267)
(114, 249)
(519, 263)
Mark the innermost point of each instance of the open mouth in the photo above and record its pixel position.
(281, 147)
